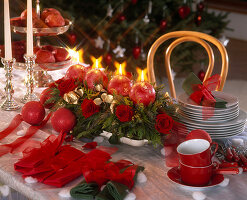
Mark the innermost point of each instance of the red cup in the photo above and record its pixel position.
(196, 176)
(196, 152)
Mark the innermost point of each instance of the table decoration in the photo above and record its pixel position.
(8, 62)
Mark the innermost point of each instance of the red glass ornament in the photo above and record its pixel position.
(121, 18)
(96, 76)
(163, 24)
(134, 2)
(76, 71)
(108, 58)
(120, 84)
(136, 52)
(142, 92)
(183, 11)
(198, 19)
(44, 96)
(63, 120)
(33, 112)
(201, 75)
(200, 6)
(72, 38)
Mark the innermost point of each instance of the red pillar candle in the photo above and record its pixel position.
(142, 92)
(120, 84)
(76, 71)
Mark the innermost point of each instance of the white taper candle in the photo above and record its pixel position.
(29, 28)
(7, 32)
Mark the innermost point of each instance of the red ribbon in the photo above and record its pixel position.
(202, 92)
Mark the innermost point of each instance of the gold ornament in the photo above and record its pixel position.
(109, 98)
(80, 92)
(97, 101)
(103, 96)
(99, 87)
(112, 106)
(71, 97)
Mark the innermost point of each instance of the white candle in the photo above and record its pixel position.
(29, 28)
(7, 32)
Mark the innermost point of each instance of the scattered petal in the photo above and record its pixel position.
(5, 190)
(30, 179)
(20, 133)
(64, 193)
(98, 139)
(90, 145)
(130, 196)
(198, 196)
(141, 177)
(225, 182)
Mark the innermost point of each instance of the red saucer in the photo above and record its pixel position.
(174, 175)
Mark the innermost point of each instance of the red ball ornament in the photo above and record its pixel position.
(72, 38)
(163, 24)
(45, 95)
(108, 58)
(201, 75)
(76, 71)
(142, 92)
(63, 120)
(121, 18)
(33, 112)
(136, 52)
(198, 19)
(96, 76)
(183, 11)
(200, 6)
(120, 85)
(134, 2)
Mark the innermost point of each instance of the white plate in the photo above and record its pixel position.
(231, 100)
(212, 116)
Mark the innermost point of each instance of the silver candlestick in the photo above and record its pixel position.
(9, 103)
(29, 81)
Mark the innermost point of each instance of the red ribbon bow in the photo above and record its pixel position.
(202, 92)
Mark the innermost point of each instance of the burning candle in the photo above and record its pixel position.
(120, 84)
(7, 32)
(142, 92)
(29, 28)
(96, 76)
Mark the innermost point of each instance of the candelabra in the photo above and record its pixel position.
(29, 81)
(9, 103)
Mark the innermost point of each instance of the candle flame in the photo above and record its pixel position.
(120, 68)
(96, 62)
(142, 74)
(77, 56)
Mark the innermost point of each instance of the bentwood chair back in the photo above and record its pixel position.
(186, 36)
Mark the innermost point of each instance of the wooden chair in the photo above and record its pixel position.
(185, 36)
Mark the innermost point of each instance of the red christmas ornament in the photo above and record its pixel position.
(33, 112)
(76, 71)
(45, 95)
(96, 76)
(183, 11)
(163, 24)
(136, 52)
(134, 2)
(120, 84)
(201, 75)
(198, 19)
(121, 18)
(142, 92)
(200, 6)
(72, 38)
(108, 59)
(63, 120)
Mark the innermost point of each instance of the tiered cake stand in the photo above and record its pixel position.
(41, 76)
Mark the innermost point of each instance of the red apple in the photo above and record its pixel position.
(48, 11)
(44, 56)
(60, 54)
(76, 71)
(48, 48)
(24, 14)
(36, 49)
(96, 76)
(120, 85)
(142, 92)
(54, 20)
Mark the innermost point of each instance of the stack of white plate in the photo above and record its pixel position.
(218, 122)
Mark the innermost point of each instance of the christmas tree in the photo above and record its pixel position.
(125, 30)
